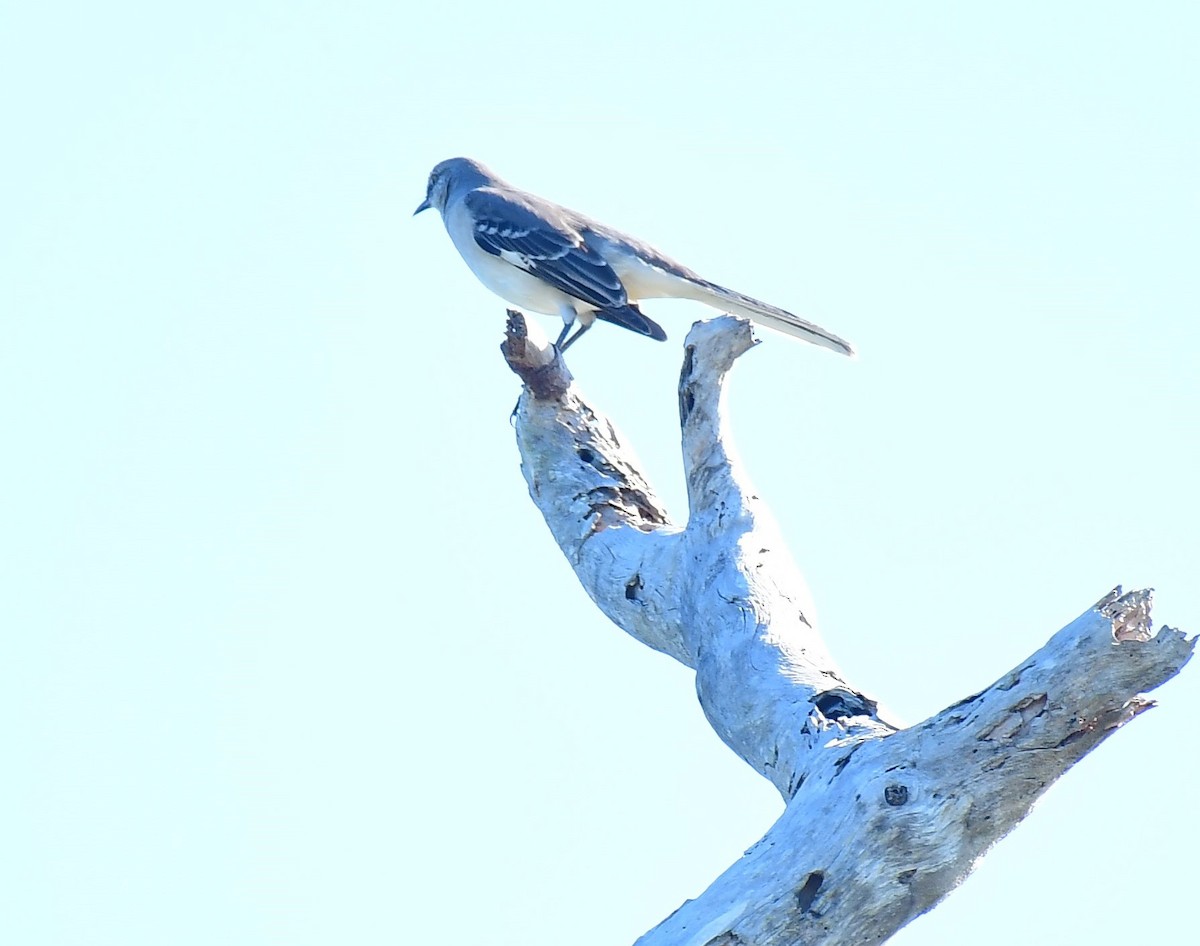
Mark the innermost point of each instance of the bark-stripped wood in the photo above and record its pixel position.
(881, 822)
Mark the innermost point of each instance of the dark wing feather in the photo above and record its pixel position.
(632, 318)
(538, 237)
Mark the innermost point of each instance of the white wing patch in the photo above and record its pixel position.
(517, 259)
(508, 232)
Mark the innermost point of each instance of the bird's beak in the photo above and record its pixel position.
(425, 205)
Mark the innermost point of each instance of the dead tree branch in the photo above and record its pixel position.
(881, 823)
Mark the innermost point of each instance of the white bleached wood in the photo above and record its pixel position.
(881, 823)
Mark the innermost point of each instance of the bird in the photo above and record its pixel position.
(540, 256)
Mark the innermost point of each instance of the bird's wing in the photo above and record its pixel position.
(634, 319)
(538, 237)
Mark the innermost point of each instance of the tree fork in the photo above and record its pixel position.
(881, 822)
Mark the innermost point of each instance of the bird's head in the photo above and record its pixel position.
(451, 177)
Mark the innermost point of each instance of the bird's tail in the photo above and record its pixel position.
(734, 302)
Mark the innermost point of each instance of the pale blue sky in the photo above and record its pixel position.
(290, 658)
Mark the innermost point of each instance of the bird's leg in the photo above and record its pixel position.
(570, 315)
(561, 346)
(567, 323)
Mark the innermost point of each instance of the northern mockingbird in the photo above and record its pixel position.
(548, 259)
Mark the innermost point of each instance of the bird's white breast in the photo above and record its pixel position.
(506, 280)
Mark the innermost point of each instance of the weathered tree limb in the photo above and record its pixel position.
(881, 823)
